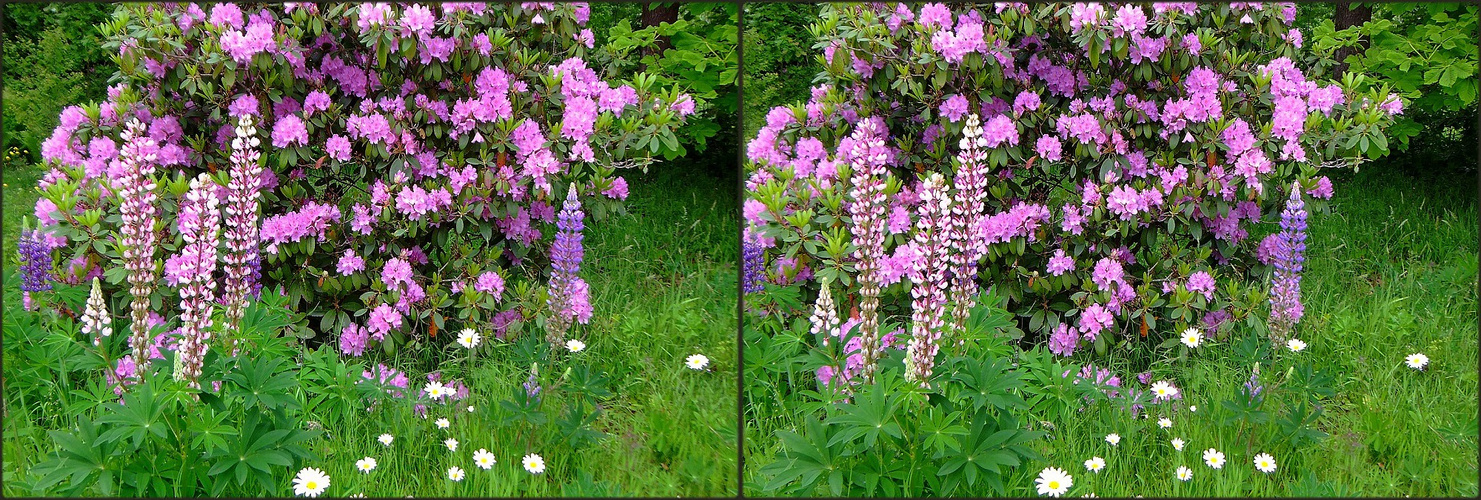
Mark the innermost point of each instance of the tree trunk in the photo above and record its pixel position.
(655, 14)
(1347, 15)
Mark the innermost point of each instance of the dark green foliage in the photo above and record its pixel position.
(780, 60)
(963, 436)
(53, 58)
(1428, 52)
(701, 59)
(163, 438)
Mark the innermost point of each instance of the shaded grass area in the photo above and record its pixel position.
(663, 284)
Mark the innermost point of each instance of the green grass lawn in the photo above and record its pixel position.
(663, 283)
(1391, 270)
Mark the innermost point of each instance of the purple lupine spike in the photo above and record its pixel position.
(36, 262)
(137, 207)
(753, 264)
(95, 319)
(1285, 293)
(933, 231)
(867, 158)
(242, 194)
(532, 384)
(568, 298)
(966, 213)
(200, 224)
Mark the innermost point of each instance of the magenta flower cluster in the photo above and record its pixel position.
(420, 141)
(1087, 154)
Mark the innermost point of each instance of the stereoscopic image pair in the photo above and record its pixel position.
(739, 249)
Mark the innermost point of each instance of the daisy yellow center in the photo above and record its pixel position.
(1054, 485)
(313, 485)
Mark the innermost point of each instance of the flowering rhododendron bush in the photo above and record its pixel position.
(396, 169)
(1108, 169)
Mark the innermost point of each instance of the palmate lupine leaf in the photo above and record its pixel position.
(140, 414)
(942, 430)
(988, 382)
(261, 382)
(872, 415)
(805, 458)
(209, 429)
(79, 456)
(994, 446)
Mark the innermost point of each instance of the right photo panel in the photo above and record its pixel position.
(1115, 249)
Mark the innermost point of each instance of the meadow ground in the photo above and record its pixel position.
(663, 281)
(1391, 271)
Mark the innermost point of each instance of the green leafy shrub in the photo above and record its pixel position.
(1427, 52)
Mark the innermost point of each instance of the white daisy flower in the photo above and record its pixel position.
(1113, 438)
(1295, 345)
(310, 482)
(469, 338)
(1054, 482)
(534, 464)
(365, 465)
(697, 362)
(1095, 464)
(1417, 361)
(452, 444)
(454, 473)
(386, 439)
(1177, 444)
(1192, 338)
(1214, 458)
(574, 345)
(1265, 463)
(484, 459)
(1193, 408)
(470, 408)
(1163, 390)
(1164, 422)
(1184, 473)
(442, 423)
(435, 390)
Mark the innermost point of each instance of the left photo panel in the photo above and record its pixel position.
(370, 249)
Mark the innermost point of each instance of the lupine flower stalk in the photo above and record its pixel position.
(35, 261)
(532, 384)
(565, 262)
(199, 224)
(242, 193)
(825, 314)
(967, 245)
(138, 211)
(1285, 294)
(95, 318)
(933, 239)
(752, 265)
(868, 157)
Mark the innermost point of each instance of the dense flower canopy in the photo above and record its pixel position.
(415, 154)
(1129, 150)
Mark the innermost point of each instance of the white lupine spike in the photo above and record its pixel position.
(95, 319)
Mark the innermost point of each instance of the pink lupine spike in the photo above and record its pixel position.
(137, 208)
